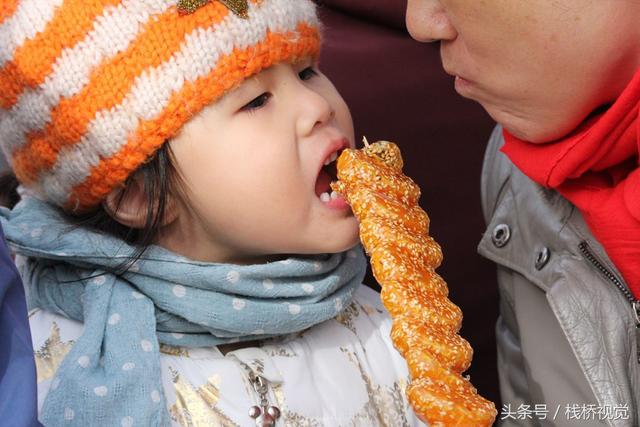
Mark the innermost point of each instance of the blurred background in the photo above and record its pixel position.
(396, 90)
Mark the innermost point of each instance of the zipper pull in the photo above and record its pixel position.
(265, 414)
(636, 311)
(260, 377)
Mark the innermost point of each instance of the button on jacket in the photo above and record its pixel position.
(567, 327)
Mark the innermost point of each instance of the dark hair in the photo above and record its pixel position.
(8, 190)
(161, 180)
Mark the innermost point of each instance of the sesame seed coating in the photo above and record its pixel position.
(394, 231)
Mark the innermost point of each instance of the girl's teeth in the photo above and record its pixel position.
(326, 197)
(333, 157)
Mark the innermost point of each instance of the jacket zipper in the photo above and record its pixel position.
(635, 304)
(264, 414)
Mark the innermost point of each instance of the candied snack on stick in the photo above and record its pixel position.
(394, 231)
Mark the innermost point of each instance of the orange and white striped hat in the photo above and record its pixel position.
(89, 89)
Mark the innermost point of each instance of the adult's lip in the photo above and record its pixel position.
(455, 73)
(453, 68)
(461, 83)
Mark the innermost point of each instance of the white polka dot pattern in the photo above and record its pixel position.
(128, 366)
(83, 361)
(101, 391)
(69, 414)
(114, 319)
(179, 291)
(146, 345)
(233, 276)
(294, 309)
(239, 304)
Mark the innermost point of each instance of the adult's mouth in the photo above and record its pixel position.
(456, 74)
(454, 70)
(461, 83)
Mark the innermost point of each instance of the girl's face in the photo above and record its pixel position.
(538, 67)
(251, 163)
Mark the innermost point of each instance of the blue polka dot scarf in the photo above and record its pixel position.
(111, 376)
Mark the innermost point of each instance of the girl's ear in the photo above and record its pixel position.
(130, 206)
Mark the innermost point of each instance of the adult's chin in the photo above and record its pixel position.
(540, 132)
(534, 128)
(540, 120)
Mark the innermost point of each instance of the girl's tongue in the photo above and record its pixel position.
(322, 184)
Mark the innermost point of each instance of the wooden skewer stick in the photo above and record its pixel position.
(366, 143)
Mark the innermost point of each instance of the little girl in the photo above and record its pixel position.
(173, 157)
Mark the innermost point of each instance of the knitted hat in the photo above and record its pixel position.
(90, 89)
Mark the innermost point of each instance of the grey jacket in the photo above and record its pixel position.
(567, 343)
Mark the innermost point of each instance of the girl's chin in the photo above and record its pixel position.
(340, 240)
(348, 243)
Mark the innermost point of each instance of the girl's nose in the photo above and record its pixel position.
(427, 21)
(315, 110)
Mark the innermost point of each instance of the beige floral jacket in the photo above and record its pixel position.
(343, 372)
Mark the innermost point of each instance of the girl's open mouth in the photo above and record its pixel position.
(327, 175)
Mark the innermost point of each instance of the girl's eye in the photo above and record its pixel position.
(307, 73)
(257, 102)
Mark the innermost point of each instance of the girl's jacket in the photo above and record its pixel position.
(343, 372)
